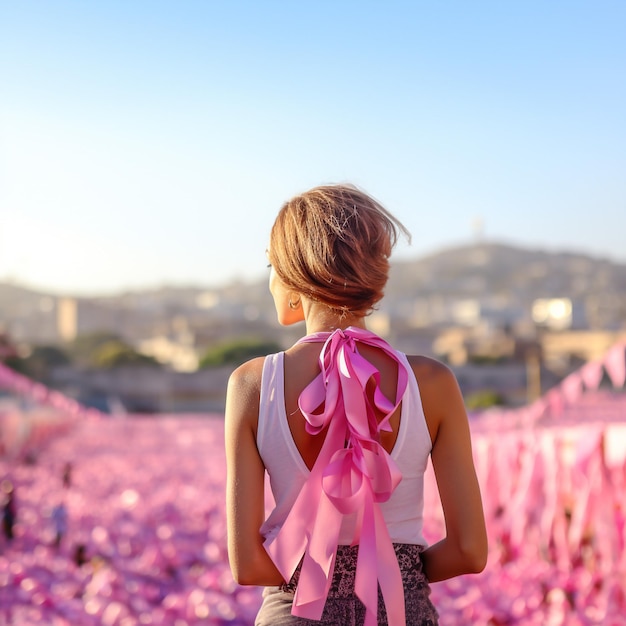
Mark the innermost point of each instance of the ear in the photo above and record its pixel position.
(295, 311)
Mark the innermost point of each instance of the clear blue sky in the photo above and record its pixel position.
(146, 142)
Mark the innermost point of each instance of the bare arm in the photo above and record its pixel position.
(245, 480)
(464, 548)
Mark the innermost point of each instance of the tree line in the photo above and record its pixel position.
(108, 350)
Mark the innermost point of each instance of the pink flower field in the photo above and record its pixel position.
(145, 499)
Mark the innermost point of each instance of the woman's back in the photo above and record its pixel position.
(289, 451)
(301, 366)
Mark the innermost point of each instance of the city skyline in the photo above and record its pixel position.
(151, 143)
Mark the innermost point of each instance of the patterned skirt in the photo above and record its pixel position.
(343, 608)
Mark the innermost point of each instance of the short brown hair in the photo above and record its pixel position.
(333, 244)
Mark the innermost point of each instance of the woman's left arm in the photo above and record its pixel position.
(245, 480)
(464, 548)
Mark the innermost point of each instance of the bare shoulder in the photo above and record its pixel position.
(430, 372)
(439, 391)
(244, 390)
(247, 377)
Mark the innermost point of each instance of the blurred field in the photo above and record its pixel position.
(146, 500)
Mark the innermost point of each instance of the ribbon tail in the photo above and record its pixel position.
(318, 563)
(287, 547)
(310, 598)
(391, 584)
(366, 580)
(377, 564)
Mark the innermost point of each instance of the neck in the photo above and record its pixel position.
(323, 319)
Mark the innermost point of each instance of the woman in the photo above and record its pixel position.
(343, 425)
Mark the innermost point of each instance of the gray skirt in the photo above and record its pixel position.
(343, 607)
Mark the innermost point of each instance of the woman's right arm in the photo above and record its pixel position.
(464, 548)
(245, 480)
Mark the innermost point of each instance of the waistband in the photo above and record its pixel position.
(342, 585)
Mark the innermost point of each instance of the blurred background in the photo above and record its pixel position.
(145, 149)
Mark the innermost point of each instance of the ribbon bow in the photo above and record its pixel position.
(353, 473)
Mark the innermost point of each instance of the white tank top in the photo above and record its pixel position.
(287, 471)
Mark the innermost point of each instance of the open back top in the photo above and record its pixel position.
(356, 492)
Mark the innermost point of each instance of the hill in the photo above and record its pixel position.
(483, 269)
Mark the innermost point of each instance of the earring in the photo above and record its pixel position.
(294, 305)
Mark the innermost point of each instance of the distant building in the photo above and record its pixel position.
(562, 350)
(553, 313)
(178, 354)
(67, 318)
(459, 345)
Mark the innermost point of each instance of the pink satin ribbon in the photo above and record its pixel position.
(352, 474)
